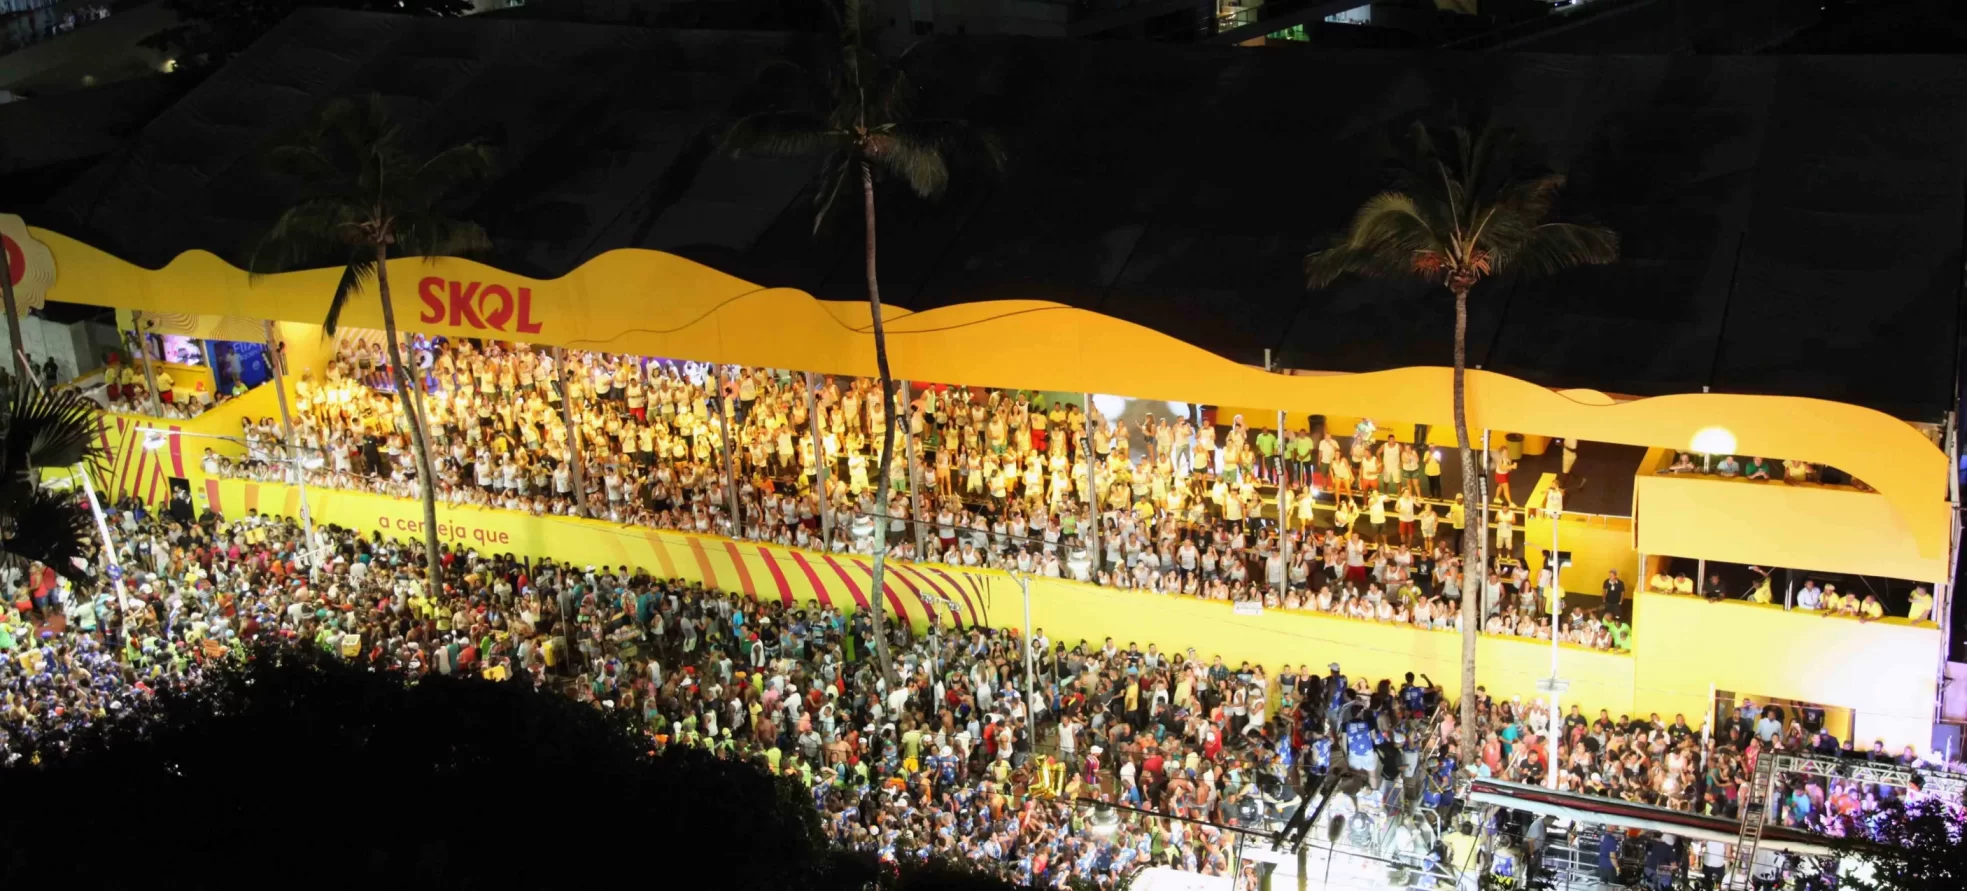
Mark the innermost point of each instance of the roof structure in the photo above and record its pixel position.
(1792, 225)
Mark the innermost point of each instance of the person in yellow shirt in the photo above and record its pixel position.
(1458, 519)
(1833, 601)
(1922, 605)
(1661, 583)
(1762, 592)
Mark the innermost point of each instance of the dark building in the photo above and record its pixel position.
(1792, 224)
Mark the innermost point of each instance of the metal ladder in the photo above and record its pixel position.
(1755, 811)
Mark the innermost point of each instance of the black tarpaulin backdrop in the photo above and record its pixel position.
(1792, 225)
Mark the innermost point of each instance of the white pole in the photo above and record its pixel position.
(819, 461)
(1030, 671)
(1556, 616)
(1707, 728)
(1092, 498)
(1481, 573)
(1283, 515)
(725, 415)
(109, 551)
(914, 473)
(273, 360)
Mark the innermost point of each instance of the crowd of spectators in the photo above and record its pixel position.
(1811, 596)
(949, 758)
(1219, 511)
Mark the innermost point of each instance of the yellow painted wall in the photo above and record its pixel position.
(1884, 671)
(308, 347)
(1823, 528)
(657, 304)
(1596, 544)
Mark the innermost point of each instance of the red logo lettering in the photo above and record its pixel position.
(496, 317)
(526, 323)
(431, 290)
(461, 304)
(477, 305)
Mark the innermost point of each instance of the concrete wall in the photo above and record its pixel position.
(77, 348)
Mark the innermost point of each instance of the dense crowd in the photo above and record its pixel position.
(950, 758)
(1294, 520)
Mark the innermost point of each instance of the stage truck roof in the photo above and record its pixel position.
(1792, 225)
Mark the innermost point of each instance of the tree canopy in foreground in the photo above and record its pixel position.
(293, 768)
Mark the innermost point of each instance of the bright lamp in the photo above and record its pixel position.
(1713, 441)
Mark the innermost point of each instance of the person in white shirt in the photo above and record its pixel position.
(1810, 597)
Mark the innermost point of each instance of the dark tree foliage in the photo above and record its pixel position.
(1921, 847)
(46, 431)
(293, 768)
(210, 32)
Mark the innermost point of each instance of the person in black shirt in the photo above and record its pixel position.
(1615, 593)
(1680, 732)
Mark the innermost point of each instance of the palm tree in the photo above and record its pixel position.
(860, 116)
(1462, 209)
(367, 193)
(41, 430)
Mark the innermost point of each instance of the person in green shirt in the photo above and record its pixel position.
(1267, 450)
(1621, 635)
(1302, 450)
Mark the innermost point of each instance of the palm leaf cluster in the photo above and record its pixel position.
(1460, 210)
(859, 111)
(40, 431)
(363, 186)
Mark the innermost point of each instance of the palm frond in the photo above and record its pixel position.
(840, 168)
(1463, 203)
(433, 235)
(441, 174)
(301, 160)
(890, 95)
(355, 275)
(1554, 247)
(780, 134)
(313, 233)
(49, 527)
(964, 146)
(1386, 237)
(44, 430)
(917, 163)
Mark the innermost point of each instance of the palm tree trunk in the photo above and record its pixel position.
(426, 484)
(1472, 570)
(13, 321)
(887, 438)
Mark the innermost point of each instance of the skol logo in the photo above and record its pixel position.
(30, 263)
(476, 305)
